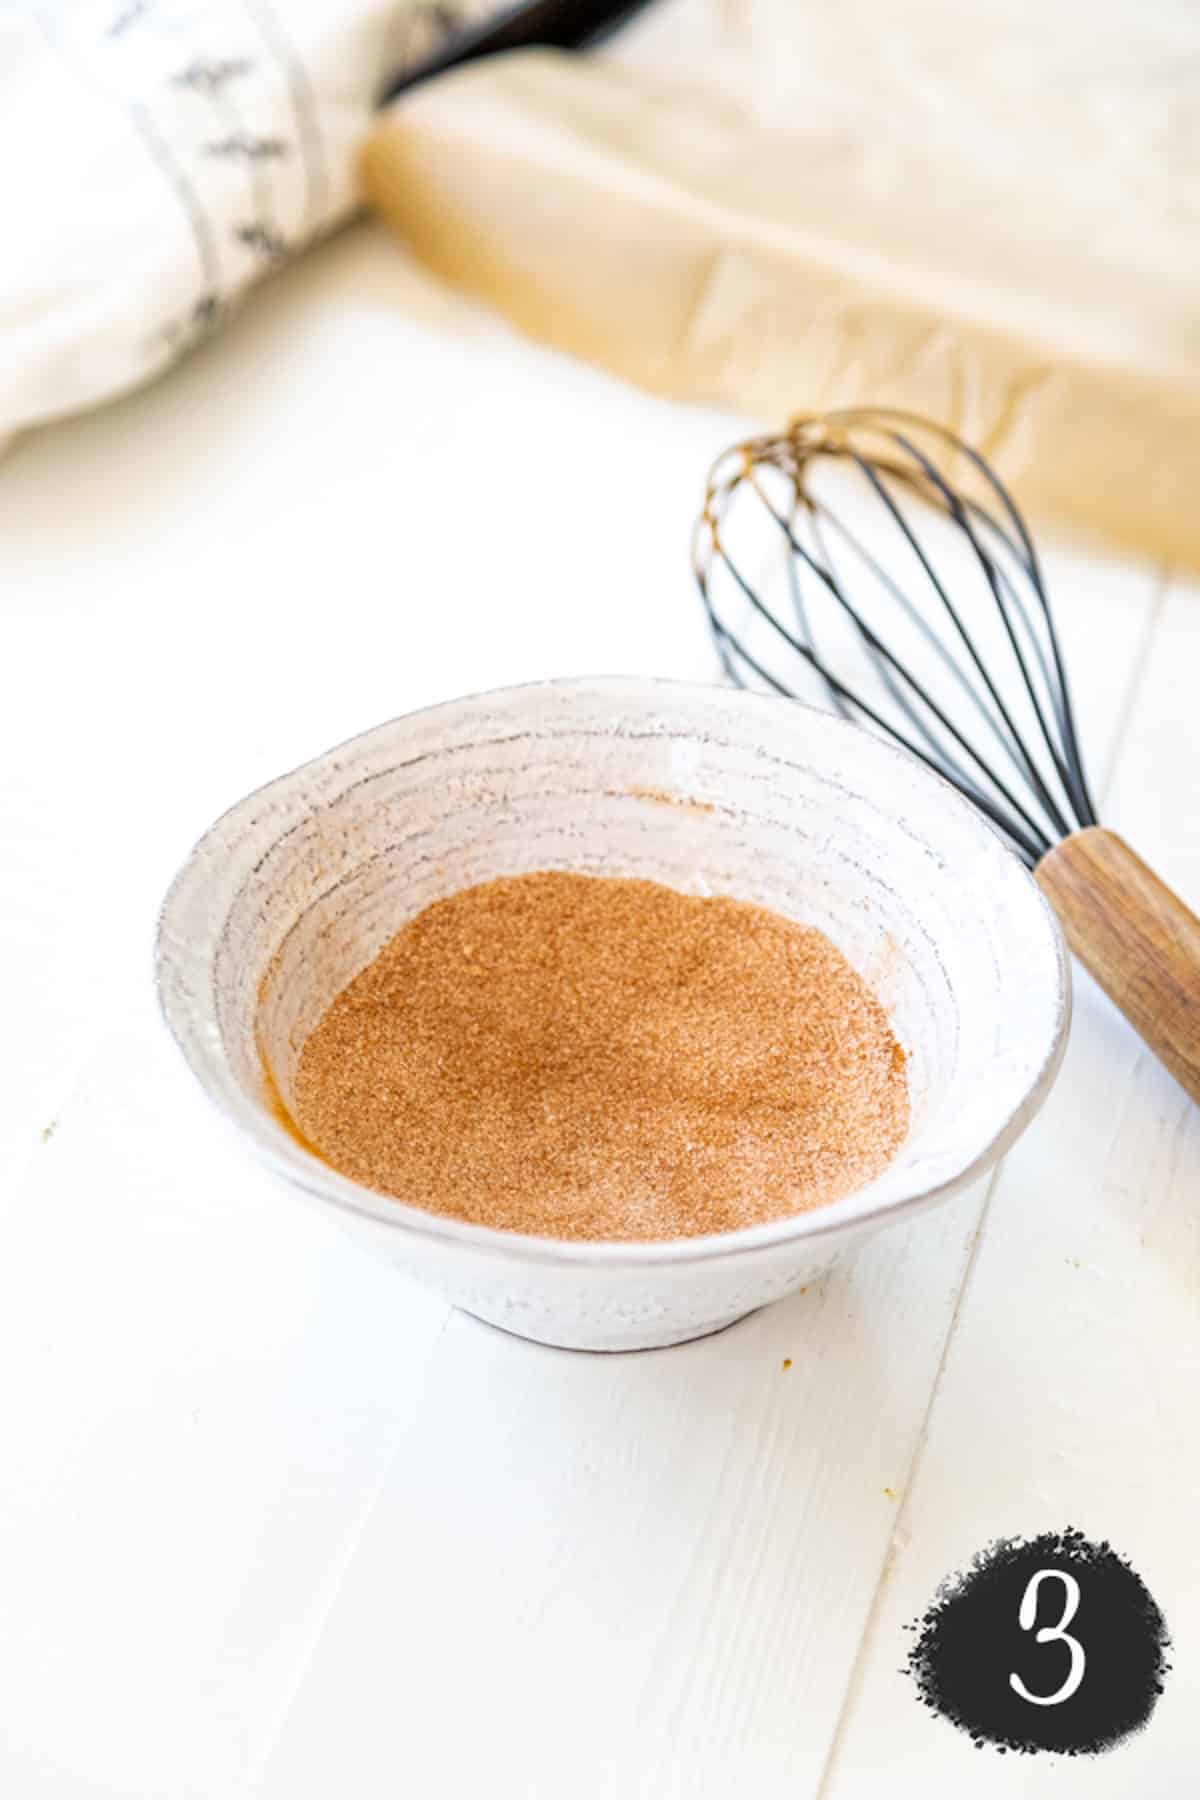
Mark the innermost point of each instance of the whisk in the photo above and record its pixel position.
(874, 560)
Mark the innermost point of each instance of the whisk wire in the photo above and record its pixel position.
(1033, 569)
(962, 518)
(915, 618)
(940, 757)
(729, 647)
(887, 660)
(1048, 766)
(1019, 752)
(1032, 843)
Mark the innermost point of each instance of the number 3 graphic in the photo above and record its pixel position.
(1027, 1618)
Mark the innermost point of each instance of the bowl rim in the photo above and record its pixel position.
(286, 1156)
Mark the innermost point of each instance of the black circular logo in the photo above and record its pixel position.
(1048, 1643)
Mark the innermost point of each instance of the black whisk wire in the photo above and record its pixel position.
(958, 512)
(889, 668)
(895, 688)
(1047, 768)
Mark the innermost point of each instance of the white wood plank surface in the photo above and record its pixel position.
(272, 1522)
(1070, 1391)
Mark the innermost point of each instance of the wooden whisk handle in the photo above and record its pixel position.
(1136, 937)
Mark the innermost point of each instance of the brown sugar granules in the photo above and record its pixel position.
(588, 1057)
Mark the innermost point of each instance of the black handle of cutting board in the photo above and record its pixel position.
(558, 24)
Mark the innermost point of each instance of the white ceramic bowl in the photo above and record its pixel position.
(707, 789)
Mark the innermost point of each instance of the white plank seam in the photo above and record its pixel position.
(334, 1580)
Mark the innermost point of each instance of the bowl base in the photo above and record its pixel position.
(669, 1340)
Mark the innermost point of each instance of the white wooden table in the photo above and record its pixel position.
(273, 1522)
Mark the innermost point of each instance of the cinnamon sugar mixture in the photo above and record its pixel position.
(588, 1057)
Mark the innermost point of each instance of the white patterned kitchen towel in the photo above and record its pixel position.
(159, 155)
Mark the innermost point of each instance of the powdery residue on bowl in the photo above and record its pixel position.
(603, 1058)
